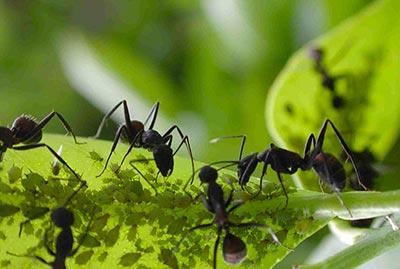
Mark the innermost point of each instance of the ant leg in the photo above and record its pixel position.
(216, 248)
(229, 201)
(92, 214)
(337, 194)
(201, 226)
(31, 256)
(346, 148)
(235, 206)
(37, 215)
(153, 112)
(132, 145)
(140, 173)
(187, 144)
(108, 115)
(114, 145)
(321, 187)
(264, 172)
(307, 150)
(259, 225)
(74, 193)
(283, 188)
(59, 158)
(217, 139)
(46, 120)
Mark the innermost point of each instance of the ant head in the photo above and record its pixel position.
(316, 54)
(62, 217)
(234, 249)
(163, 156)
(246, 168)
(208, 174)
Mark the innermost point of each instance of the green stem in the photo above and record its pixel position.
(373, 245)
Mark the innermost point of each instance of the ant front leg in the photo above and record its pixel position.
(46, 120)
(108, 115)
(243, 137)
(114, 145)
(59, 158)
(185, 140)
(153, 115)
(345, 147)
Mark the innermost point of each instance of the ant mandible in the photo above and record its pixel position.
(328, 167)
(64, 219)
(328, 81)
(234, 249)
(26, 130)
(133, 132)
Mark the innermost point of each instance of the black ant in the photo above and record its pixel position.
(133, 132)
(328, 81)
(26, 130)
(329, 169)
(62, 218)
(234, 249)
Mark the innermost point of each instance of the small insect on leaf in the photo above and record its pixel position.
(129, 259)
(2, 236)
(95, 156)
(14, 173)
(168, 258)
(99, 223)
(102, 257)
(7, 210)
(56, 165)
(5, 263)
(91, 242)
(35, 212)
(84, 257)
(112, 236)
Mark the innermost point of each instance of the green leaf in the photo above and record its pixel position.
(374, 244)
(364, 50)
(142, 229)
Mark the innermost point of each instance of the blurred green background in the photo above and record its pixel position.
(209, 63)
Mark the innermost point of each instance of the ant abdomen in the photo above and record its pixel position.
(330, 170)
(234, 249)
(164, 159)
(22, 126)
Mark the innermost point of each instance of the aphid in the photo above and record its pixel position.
(133, 132)
(64, 219)
(233, 248)
(26, 130)
(55, 165)
(328, 81)
(329, 169)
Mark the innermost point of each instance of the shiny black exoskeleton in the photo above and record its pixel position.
(26, 130)
(329, 169)
(133, 132)
(62, 218)
(234, 249)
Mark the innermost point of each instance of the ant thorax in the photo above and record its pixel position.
(151, 138)
(22, 126)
